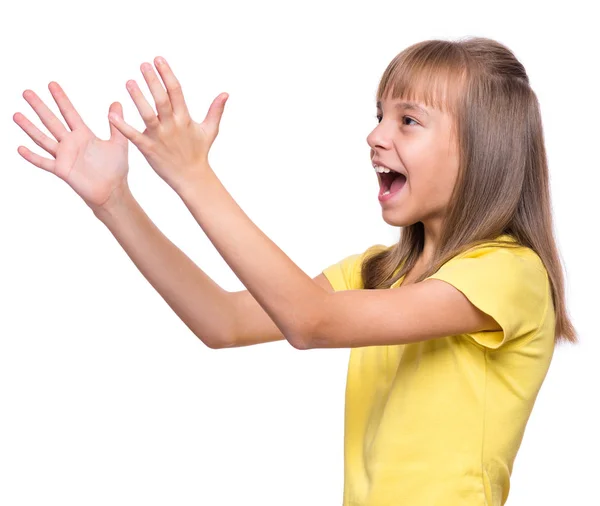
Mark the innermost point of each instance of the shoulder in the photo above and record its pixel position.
(509, 283)
(345, 274)
(510, 259)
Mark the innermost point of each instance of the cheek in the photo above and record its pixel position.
(432, 167)
(433, 178)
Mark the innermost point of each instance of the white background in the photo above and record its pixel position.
(106, 397)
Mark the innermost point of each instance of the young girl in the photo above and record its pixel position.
(444, 369)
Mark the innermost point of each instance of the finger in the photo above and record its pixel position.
(66, 107)
(39, 137)
(115, 134)
(161, 98)
(215, 111)
(173, 87)
(143, 106)
(127, 130)
(50, 121)
(37, 160)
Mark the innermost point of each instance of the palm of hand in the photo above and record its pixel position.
(91, 166)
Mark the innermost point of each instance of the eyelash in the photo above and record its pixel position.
(379, 117)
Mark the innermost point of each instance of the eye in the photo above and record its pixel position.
(380, 117)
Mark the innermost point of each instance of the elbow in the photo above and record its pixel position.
(310, 343)
(306, 331)
(306, 338)
(215, 343)
(299, 342)
(300, 337)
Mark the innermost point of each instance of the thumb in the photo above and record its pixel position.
(215, 111)
(115, 134)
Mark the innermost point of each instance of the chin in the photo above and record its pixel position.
(397, 221)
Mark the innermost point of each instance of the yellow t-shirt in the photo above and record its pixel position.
(439, 422)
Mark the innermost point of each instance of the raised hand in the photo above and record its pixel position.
(175, 146)
(92, 167)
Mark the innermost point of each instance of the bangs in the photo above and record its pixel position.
(430, 72)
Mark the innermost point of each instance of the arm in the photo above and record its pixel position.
(219, 318)
(97, 172)
(177, 147)
(289, 296)
(252, 325)
(223, 319)
(201, 304)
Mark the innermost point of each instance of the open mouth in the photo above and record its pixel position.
(391, 182)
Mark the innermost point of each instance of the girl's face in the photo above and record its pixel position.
(418, 142)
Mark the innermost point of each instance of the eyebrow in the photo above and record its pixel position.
(407, 105)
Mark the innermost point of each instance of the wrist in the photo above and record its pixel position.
(193, 188)
(119, 200)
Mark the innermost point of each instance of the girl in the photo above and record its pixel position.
(444, 369)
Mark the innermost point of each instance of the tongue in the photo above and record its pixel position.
(397, 183)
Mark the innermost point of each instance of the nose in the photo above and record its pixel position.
(380, 137)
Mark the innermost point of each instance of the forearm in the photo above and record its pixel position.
(286, 293)
(200, 302)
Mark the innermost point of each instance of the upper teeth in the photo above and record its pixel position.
(379, 168)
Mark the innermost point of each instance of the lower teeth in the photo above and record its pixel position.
(386, 192)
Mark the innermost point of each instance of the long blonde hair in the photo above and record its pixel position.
(502, 185)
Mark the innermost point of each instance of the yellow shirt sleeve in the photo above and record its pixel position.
(345, 274)
(511, 285)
